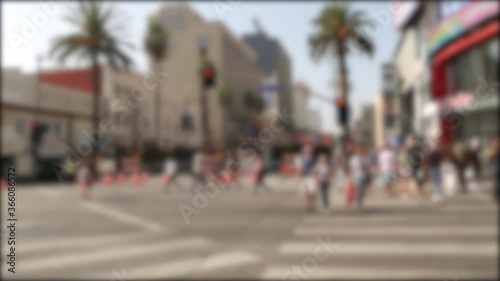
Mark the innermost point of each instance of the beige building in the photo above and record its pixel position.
(66, 113)
(236, 67)
(300, 106)
(63, 102)
(379, 130)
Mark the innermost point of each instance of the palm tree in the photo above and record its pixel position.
(225, 99)
(336, 27)
(94, 38)
(156, 43)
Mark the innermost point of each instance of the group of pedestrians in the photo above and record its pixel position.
(226, 169)
(402, 170)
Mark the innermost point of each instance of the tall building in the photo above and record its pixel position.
(364, 127)
(300, 106)
(275, 62)
(236, 66)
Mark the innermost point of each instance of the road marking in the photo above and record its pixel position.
(74, 242)
(118, 252)
(407, 219)
(124, 217)
(398, 231)
(393, 248)
(229, 259)
(471, 208)
(49, 192)
(174, 269)
(364, 273)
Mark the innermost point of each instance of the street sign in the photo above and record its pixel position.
(270, 88)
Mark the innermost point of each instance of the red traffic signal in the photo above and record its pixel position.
(208, 76)
(341, 102)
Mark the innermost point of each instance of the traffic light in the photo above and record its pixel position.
(37, 132)
(343, 111)
(208, 76)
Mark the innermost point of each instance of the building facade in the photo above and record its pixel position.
(463, 50)
(66, 113)
(236, 66)
(300, 107)
(62, 101)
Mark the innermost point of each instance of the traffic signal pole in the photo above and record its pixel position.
(35, 145)
(208, 77)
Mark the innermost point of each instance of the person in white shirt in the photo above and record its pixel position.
(170, 170)
(387, 165)
(197, 169)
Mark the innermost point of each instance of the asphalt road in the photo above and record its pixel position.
(139, 232)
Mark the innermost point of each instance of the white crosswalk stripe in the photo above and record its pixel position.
(362, 273)
(446, 236)
(120, 251)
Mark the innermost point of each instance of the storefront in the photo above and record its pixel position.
(464, 51)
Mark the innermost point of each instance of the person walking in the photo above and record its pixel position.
(84, 179)
(459, 152)
(493, 157)
(322, 172)
(416, 158)
(197, 170)
(387, 165)
(359, 171)
(306, 179)
(259, 172)
(434, 166)
(170, 173)
(472, 170)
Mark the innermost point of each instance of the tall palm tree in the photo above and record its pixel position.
(337, 27)
(95, 38)
(156, 42)
(225, 99)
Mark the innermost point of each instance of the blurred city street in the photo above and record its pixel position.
(333, 140)
(130, 232)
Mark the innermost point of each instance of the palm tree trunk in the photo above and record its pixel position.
(95, 109)
(343, 94)
(158, 104)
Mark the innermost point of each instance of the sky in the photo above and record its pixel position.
(28, 28)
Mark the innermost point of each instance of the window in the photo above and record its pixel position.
(175, 22)
(465, 70)
(20, 125)
(56, 128)
(203, 42)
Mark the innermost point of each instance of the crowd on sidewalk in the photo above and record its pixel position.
(402, 170)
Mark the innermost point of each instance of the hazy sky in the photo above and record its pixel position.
(290, 22)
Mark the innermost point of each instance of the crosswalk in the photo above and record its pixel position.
(454, 241)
